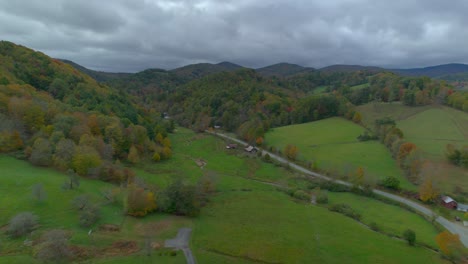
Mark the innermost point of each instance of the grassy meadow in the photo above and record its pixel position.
(247, 220)
(333, 144)
(431, 128)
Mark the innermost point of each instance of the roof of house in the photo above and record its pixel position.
(249, 148)
(448, 199)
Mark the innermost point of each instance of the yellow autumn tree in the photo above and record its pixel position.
(428, 192)
(357, 117)
(133, 155)
(290, 151)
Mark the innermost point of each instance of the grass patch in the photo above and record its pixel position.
(389, 218)
(360, 86)
(269, 227)
(333, 145)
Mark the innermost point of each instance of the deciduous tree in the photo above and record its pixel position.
(428, 192)
(450, 244)
(291, 152)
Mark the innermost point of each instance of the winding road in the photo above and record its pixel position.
(452, 227)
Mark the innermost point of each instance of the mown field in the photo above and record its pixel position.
(333, 144)
(247, 220)
(431, 128)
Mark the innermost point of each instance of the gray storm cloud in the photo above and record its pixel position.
(132, 35)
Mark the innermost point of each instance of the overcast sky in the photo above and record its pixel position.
(132, 35)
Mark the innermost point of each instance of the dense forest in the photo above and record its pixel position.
(54, 115)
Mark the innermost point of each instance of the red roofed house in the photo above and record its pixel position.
(448, 202)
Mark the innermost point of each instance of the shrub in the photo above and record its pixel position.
(301, 195)
(267, 158)
(346, 210)
(180, 199)
(89, 216)
(322, 197)
(80, 202)
(391, 183)
(22, 224)
(410, 236)
(374, 226)
(54, 247)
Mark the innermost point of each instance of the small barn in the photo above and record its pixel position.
(462, 207)
(448, 202)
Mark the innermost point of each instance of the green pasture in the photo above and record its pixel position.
(332, 143)
(389, 218)
(268, 227)
(431, 128)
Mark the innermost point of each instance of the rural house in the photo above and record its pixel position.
(448, 202)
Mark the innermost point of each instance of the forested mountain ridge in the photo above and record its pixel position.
(54, 115)
(99, 76)
(283, 70)
(196, 71)
(438, 71)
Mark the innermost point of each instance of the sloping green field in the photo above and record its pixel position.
(267, 227)
(431, 128)
(333, 144)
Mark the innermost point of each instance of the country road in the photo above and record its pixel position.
(181, 241)
(452, 227)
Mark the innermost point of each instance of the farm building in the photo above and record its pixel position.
(251, 149)
(462, 207)
(448, 202)
(231, 146)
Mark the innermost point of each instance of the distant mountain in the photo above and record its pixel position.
(148, 83)
(199, 70)
(439, 71)
(349, 68)
(99, 76)
(283, 70)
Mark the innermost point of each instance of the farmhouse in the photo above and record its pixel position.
(448, 202)
(251, 149)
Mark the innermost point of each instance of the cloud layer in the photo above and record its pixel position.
(132, 35)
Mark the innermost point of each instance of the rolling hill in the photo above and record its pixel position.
(283, 70)
(439, 71)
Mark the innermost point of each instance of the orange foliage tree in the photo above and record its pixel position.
(139, 201)
(450, 244)
(405, 149)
